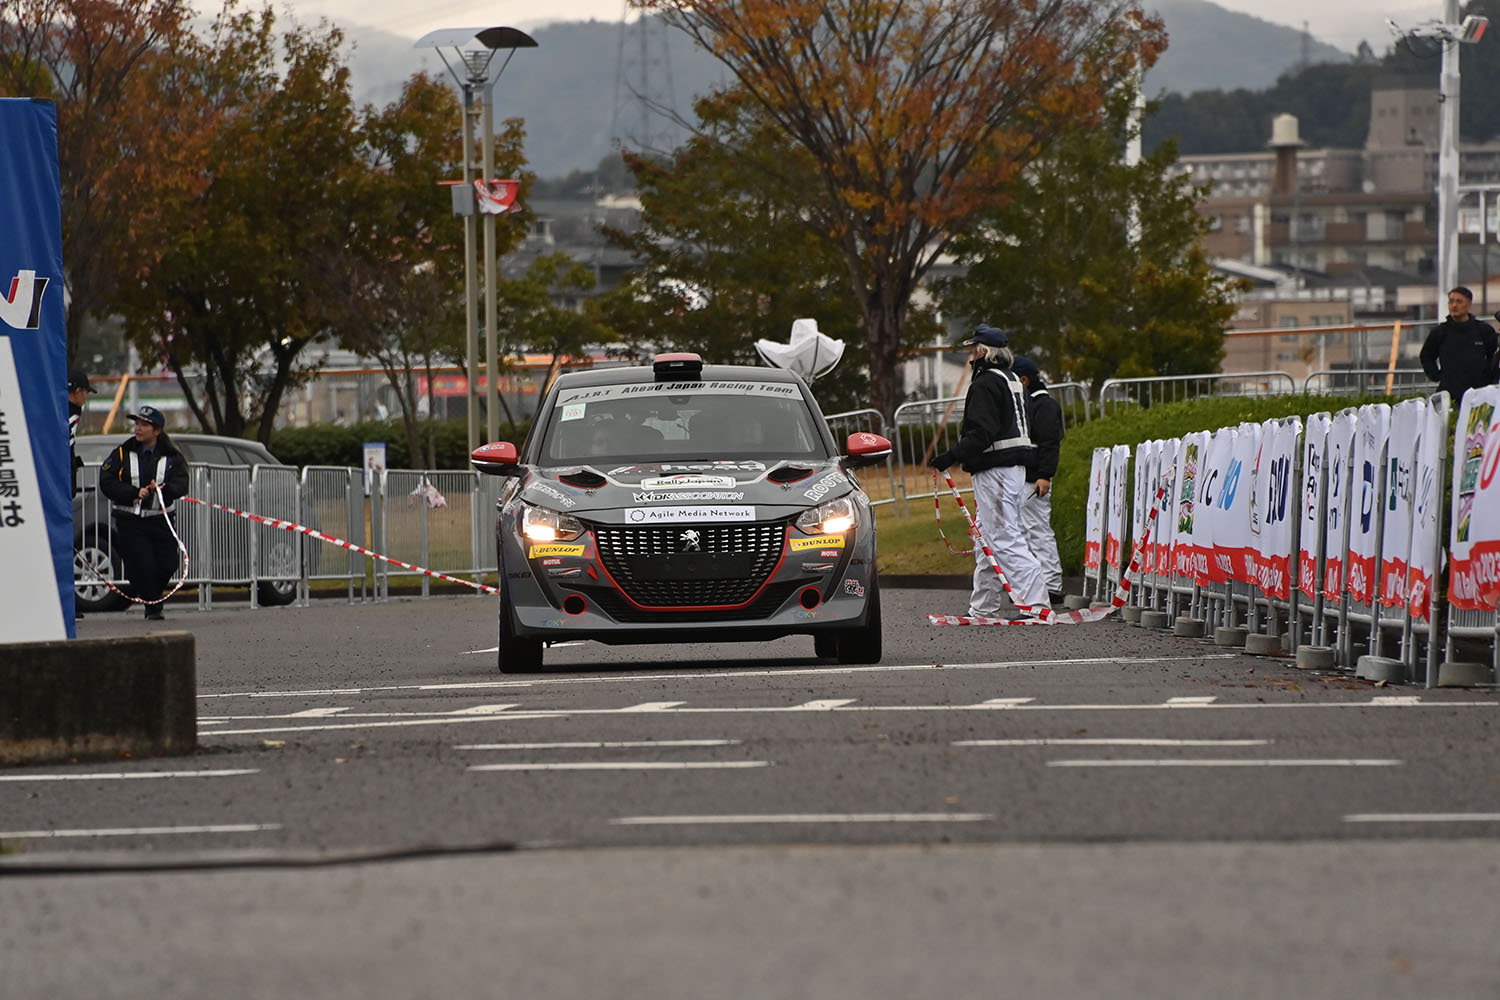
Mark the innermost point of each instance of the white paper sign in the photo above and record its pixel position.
(30, 606)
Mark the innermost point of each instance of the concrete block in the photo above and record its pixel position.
(1264, 645)
(1075, 602)
(98, 698)
(1154, 619)
(1131, 613)
(1231, 636)
(1380, 668)
(1188, 628)
(1316, 657)
(1452, 673)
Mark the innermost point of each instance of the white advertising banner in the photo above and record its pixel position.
(1400, 470)
(1114, 529)
(1145, 455)
(1338, 458)
(1271, 522)
(1190, 467)
(32, 606)
(1310, 502)
(1427, 505)
(1211, 564)
(1372, 429)
(1234, 534)
(1474, 546)
(1166, 522)
(1093, 531)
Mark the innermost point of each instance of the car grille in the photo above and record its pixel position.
(621, 547)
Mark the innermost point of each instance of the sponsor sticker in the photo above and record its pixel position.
(537, 551)
(824, 486)
(854, 587)
(821, 542)
(553, 492)
(719, 512)
(819, 567)
(573, 411)
(681, 495)
(689, 482)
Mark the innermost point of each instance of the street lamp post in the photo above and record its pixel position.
(474, 50)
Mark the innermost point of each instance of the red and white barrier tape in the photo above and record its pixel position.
(937, 512)
(1045, 615)
(292, 526)
(181, 548)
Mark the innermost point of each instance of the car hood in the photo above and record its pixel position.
(580, 489)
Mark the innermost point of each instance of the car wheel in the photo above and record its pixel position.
(862, 645)
(517, 655)
(92, 559)
(280, 560)
(826, 645)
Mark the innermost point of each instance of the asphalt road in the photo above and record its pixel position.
(1087, 811)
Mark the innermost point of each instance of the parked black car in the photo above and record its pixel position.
(93, 556)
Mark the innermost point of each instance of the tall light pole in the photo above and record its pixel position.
(1450, 32)
(474, 50)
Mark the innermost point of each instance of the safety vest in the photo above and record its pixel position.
(1022, 436)
(143, 508)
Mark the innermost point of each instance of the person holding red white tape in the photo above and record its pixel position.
(994, 447)
(130, 477)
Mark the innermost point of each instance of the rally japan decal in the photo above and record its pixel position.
(21, 305)
(688, 486)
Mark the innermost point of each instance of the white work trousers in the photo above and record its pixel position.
(1036, 521)
(997, 498)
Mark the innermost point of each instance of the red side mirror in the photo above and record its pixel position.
(495, 459)
(867, 449)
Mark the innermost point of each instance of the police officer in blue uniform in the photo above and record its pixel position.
(129, 477)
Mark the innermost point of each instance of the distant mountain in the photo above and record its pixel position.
(566, 87)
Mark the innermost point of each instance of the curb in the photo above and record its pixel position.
(77, 699)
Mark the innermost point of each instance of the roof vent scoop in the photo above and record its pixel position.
(811, 354)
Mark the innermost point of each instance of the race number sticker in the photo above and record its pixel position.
(659, 515)
(573, 411)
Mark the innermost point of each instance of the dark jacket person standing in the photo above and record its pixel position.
(78, 394)
(1459, 353)
(129, 477)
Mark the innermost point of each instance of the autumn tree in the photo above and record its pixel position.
(120, 147)
(1097, 268)
(248, 273)
(534, 310)
(915, 114)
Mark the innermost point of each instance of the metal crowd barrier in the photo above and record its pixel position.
(870, 421)
(1366, 382)
(1159, 389)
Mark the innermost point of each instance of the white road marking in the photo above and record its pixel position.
(653, 706)
(1193, 701)
(1396, 699)
(822, 704)
(128, 775)
(1253, 762)
(316, 713)
(600, 745)
(1005, 702)
(1111, 742)
(729, 675)
(626, 765)
(477, 710)
(483, 709)
(139, 831)
(1423, 818)
(751, 818)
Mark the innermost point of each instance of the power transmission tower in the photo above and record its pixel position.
(644, 116)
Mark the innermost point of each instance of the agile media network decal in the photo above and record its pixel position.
(21, 306)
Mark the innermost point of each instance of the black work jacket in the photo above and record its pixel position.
(1459, 356)
(1044, 414)
(117, 482)
(993, 432)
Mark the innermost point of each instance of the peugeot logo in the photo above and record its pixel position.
(690, 541)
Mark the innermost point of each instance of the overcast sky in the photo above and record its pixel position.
(1339, 22)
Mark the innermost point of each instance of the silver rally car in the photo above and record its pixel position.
(684, 502)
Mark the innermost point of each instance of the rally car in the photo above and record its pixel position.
(684, 502)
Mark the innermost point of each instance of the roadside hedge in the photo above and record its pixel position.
(330, 444)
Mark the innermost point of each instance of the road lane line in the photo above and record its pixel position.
(484, 709)
(731, 674)
(600, 745)
(624, 765)
(1192, 702)
(1422, 818)
(822, 704)
(652, 706)
(1103, 741)
(128, 775)
(751, 818)
(139, 831)
(1004, 702)
(1253, 762)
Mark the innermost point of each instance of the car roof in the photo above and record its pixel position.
(636, 374)
(190, 438)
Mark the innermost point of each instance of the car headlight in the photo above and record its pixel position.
(829, 518)
(538, 524)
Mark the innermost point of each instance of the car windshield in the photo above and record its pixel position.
(704, 421)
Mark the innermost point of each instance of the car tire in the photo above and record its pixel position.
(280, 558)
(825, 645)
(92, 554)
(517, 655)
(863, 644)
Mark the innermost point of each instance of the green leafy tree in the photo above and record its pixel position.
(248, 272)
(529, 310)
(1058, 266)
(729, 255)
(913, 114)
